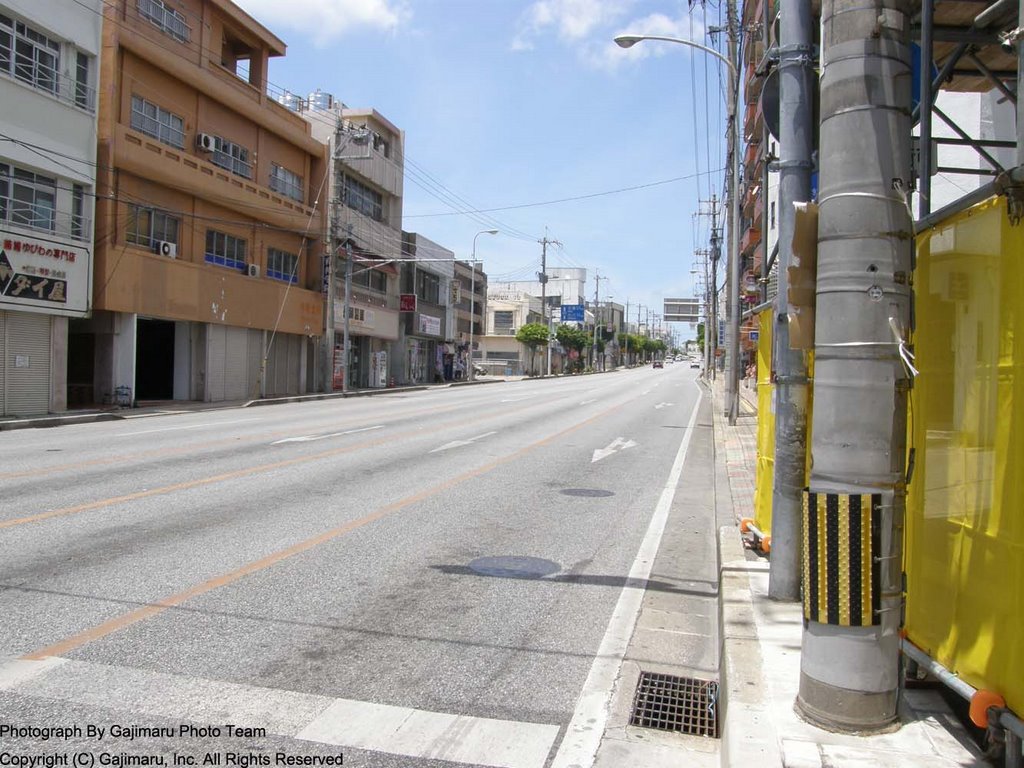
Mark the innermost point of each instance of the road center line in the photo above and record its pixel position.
(583, 735)
(191, 426)
(153, 609)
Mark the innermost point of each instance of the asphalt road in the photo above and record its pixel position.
(424, 579)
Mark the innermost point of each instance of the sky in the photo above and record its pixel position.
(510, 104)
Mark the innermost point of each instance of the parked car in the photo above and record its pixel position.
(658, 364)
(695, 364)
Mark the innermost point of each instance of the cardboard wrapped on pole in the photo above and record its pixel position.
(803, 276)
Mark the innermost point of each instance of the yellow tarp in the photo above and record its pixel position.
(965, 510)
(765, 427)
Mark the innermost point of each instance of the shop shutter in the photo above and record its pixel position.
(284, 364)
(3, 363)
(236, 363)
(27, 363)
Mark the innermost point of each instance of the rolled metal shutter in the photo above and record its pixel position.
(27, 369)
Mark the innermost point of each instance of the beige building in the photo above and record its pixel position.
(208, 261)
(500, 353)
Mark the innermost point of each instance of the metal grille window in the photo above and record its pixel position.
(83, 93)
(28, 55)
(362, 198)
(78, 222)
(287, 183)
(231, 157)
(166, 19)
(282, 265)
(503, 322)
(225, 250)
(371, 278)
(157, 122)
(149, 226)
(27, 198)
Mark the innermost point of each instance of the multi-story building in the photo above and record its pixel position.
(507, 312)
(428, 349)
(470, 310)
(365, 224)
(208, 260)
(49, 57)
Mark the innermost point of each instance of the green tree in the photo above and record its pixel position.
(533, 335)
(573, 338)
(700, 337)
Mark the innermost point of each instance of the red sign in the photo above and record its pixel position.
(407, 302)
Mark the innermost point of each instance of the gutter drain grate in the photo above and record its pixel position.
(680, 704)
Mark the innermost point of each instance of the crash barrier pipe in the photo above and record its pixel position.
(1013, 724)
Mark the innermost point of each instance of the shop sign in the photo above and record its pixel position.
(43, 273)
(430, 325)
(407, 302)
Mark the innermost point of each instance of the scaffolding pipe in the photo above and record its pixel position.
(924, 183)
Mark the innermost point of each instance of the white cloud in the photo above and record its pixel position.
(572, 20)
(327, 20)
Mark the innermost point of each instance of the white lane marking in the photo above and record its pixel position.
(460, 443)
(434, 735)
(310, 717)
(659, 406)
(646, 392)
(588, 402)
(516, 399)
(616, 445)
(172, 429)
(310, 438)
(583, 735)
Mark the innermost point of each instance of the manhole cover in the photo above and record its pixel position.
(589, 492)
(514, 567)
(681, 704)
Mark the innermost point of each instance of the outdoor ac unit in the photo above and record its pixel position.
(253, 270)
(166, 248)
(205, 142)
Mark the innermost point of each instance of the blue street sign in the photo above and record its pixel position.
(572, 313)
(755, 335)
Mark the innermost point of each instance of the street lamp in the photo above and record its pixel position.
(472, 299)
(732, 380)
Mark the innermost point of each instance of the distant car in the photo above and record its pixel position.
(694, 364)
(658, 364)
(669, 360)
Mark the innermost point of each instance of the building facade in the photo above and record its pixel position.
(365, 227)
(507, 312)
(208, 279)
(470, 304)
(49, 69)
(428, 350)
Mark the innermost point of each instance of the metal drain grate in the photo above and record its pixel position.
(680, 704)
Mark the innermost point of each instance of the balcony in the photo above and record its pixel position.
(148, 158)
(46, 80)
(753, 121)
(751, 237)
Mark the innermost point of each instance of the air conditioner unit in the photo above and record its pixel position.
(165, 248)
(205, 142)
(253, 270)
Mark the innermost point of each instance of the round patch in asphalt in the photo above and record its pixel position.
(514, 567)
(593, 493)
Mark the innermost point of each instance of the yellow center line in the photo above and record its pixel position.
(154, 609)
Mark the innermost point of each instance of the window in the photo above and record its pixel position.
(371, 278)
(157, 122)
(28, 199)
(166, 19)
(83, 93)
(225, 250)
(78, 223)
(28, 55)
(503, 322)
(772, 224)
(282, 265)
(428, 286)
(287, 183)
(232, 157)
(362, 198)
(149, 226)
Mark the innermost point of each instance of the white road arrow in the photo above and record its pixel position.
(616, 445)
(460, 443)
(659, 406)
(311, 438)
(588, 402)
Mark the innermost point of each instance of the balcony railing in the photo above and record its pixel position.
(46, 79)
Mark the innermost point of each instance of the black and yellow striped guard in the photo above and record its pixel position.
(841, 580)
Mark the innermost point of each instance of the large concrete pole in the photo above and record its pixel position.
(797, 83)
(732, 390)
(852, 597)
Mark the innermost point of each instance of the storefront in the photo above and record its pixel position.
(372, 332)
(424, 349)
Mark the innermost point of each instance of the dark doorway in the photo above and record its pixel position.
(81, 366)
(154, 360)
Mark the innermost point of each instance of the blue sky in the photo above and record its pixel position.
(514, 102)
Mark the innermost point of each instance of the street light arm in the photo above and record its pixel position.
(628, 41)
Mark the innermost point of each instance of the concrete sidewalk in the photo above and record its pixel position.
(761, 639)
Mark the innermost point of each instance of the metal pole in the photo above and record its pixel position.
(472, 311)
(796, 143)
(1020, 89)
(733, 382)
(924, 166)
(348, 292)
(849, 663)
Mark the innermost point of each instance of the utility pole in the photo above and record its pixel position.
(597, 302)
(796, 143)
(732, 391)
(849, 665)
(625, 333)
(545, 242)
(714, 254)
(345, 356)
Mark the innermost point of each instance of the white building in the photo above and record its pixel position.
(564, 286)
(48, 75)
